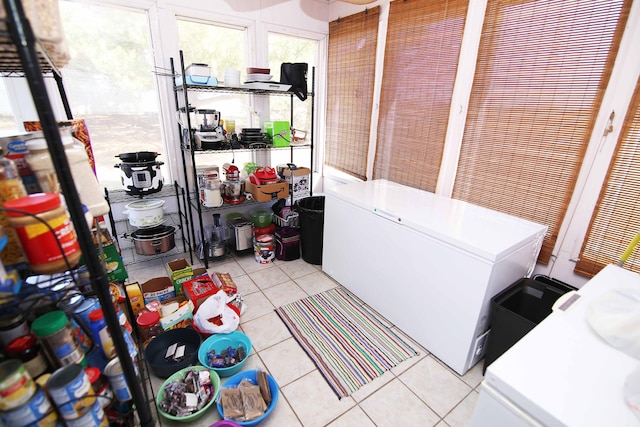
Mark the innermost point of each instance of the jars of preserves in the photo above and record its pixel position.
(12, 326)
(27, 349)
(40, 244)
(11, 187)
(56, 335)
(149, 326)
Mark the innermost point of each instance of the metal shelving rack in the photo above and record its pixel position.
(189, 145)
(22, 56)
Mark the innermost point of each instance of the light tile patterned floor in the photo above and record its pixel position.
(421, 391)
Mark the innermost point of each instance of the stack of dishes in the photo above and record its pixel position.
(255, 75)
(231, 77)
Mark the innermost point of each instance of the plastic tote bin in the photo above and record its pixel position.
(311, 210)
(518, 309)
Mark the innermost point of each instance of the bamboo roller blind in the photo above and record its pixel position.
(421, 57)
(616, 218)
(541, 72)
(350, 79)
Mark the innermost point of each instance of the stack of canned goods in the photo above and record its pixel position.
(59, 369)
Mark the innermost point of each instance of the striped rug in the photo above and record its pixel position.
(347, 342)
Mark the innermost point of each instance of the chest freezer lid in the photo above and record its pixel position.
(562, 372)
(484, 232)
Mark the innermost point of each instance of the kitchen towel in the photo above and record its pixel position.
(348, 343)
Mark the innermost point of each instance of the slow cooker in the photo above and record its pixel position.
(153, 241)
(140, 173)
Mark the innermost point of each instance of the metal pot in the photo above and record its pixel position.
(145, 213)
(152, 241)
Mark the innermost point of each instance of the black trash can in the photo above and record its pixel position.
(311, 221)
(518, 309)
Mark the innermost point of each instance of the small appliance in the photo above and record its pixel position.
(233, 189)
(140, 173)
(209, 131)
(242, 236)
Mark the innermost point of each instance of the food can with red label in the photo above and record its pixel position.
(16, 385)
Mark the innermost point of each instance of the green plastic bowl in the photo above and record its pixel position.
(261, 217)
(215, 381)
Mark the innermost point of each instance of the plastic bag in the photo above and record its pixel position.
(632, 392)
(214, 316)
(615, 316)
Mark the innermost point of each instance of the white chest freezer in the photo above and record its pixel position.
(428, 263)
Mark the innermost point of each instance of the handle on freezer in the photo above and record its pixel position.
(388, 215)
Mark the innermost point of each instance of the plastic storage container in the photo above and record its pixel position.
(85, 180)
(11, 187)
(311, 211)
(518, 309)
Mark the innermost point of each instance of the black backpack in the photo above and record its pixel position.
(295, 74)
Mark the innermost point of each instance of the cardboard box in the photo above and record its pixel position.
(180, 318)
(114, 267)
(199, 289)
(279, 131)
(267, 192)
(158, 288)
(179, 270)
(299, 181)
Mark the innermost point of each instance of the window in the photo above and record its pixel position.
(350, 82)
(110, 83)
(220, 48)
(616, 218)
(284, 48)
(541, 73)
(7, 122)
(421, 58)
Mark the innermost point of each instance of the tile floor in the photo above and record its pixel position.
(421, 391)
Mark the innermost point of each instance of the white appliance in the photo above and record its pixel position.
(561, 373)
(429, 264)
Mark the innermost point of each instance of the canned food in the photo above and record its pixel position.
(37, 411)
(92, 416)
(70, 390)
(264, 248)
(118, 382)
(16, 385)
(84, 308)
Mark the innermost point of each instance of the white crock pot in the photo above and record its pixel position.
(145, 213)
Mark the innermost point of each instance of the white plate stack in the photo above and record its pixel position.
(231, 77)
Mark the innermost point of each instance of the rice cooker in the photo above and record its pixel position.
(140, 173)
